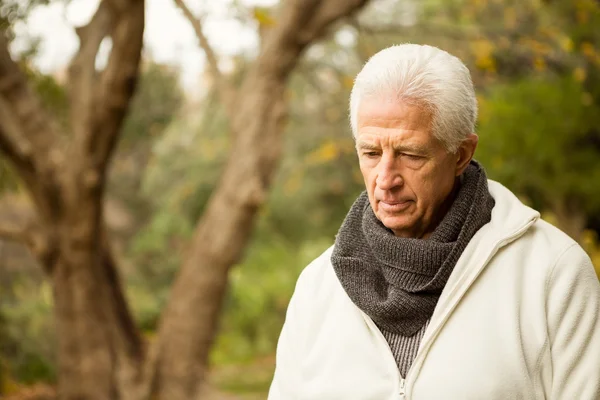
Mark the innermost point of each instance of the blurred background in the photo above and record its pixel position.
(536, 67)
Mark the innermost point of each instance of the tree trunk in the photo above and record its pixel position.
(218, 243)
(190, 322)
(99, 350)
(86, 359)
(100, 354)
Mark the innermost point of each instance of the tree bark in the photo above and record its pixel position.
(99, 349)
(100, 352)
(190, 321)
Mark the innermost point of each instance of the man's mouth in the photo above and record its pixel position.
(394, 205)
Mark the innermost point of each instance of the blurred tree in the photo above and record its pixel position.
(548, 160)
(505, 43)
(64, 171)
(100, 353)
(155, 104)
(318, 173)
(256, 111)
(554, 46)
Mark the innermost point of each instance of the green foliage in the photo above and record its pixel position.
(156, 252)
(260, 289)
(8, 179)
(27, 343)
(535, 138)
(52, 94)
(155, 103)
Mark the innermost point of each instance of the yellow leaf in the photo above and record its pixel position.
(348, 82)
(263, 17)
(326, 152)
(484, 51)
(582, 17)
(566, 44)
(579, 74)
(588, 49)
(539, 64)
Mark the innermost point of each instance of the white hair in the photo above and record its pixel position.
(424, 76)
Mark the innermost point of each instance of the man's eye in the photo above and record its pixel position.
(412, 156)
(371, 153)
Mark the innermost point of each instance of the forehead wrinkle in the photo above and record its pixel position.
(404, 140)
(384, 122)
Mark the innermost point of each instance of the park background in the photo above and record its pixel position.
(536, 67)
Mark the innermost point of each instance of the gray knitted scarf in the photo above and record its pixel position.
(398, 281)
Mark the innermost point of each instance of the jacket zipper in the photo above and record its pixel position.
(391, 359)
(402, 391)
(420, 354)
(424, 348)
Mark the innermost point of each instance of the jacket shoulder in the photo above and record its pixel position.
(559, 249)
(550, 237)
(318, 276)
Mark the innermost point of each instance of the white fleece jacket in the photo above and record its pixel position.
(518, 319)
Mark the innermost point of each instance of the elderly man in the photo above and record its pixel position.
(441, 284)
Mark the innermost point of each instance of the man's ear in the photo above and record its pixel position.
(465, 153)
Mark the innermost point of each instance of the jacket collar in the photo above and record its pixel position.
(509, 213)
(510, 220)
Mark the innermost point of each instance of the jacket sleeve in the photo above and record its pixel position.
(285, 381)
(573, 314)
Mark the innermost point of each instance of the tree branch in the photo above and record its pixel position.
(100, 100)
(117, 83)
(82, 71)
(27, 136)
(27, 132)
(14, 234)
(13, 145)
(300, 23)
(17, 219)
(226, 90)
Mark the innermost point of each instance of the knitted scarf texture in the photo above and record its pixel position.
(398, 281)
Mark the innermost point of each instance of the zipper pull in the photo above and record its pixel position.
(402, 389)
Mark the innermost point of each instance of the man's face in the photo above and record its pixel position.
(407, 171)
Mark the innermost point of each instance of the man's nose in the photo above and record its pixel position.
(388, 174)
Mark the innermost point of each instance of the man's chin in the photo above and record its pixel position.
(398, 224)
